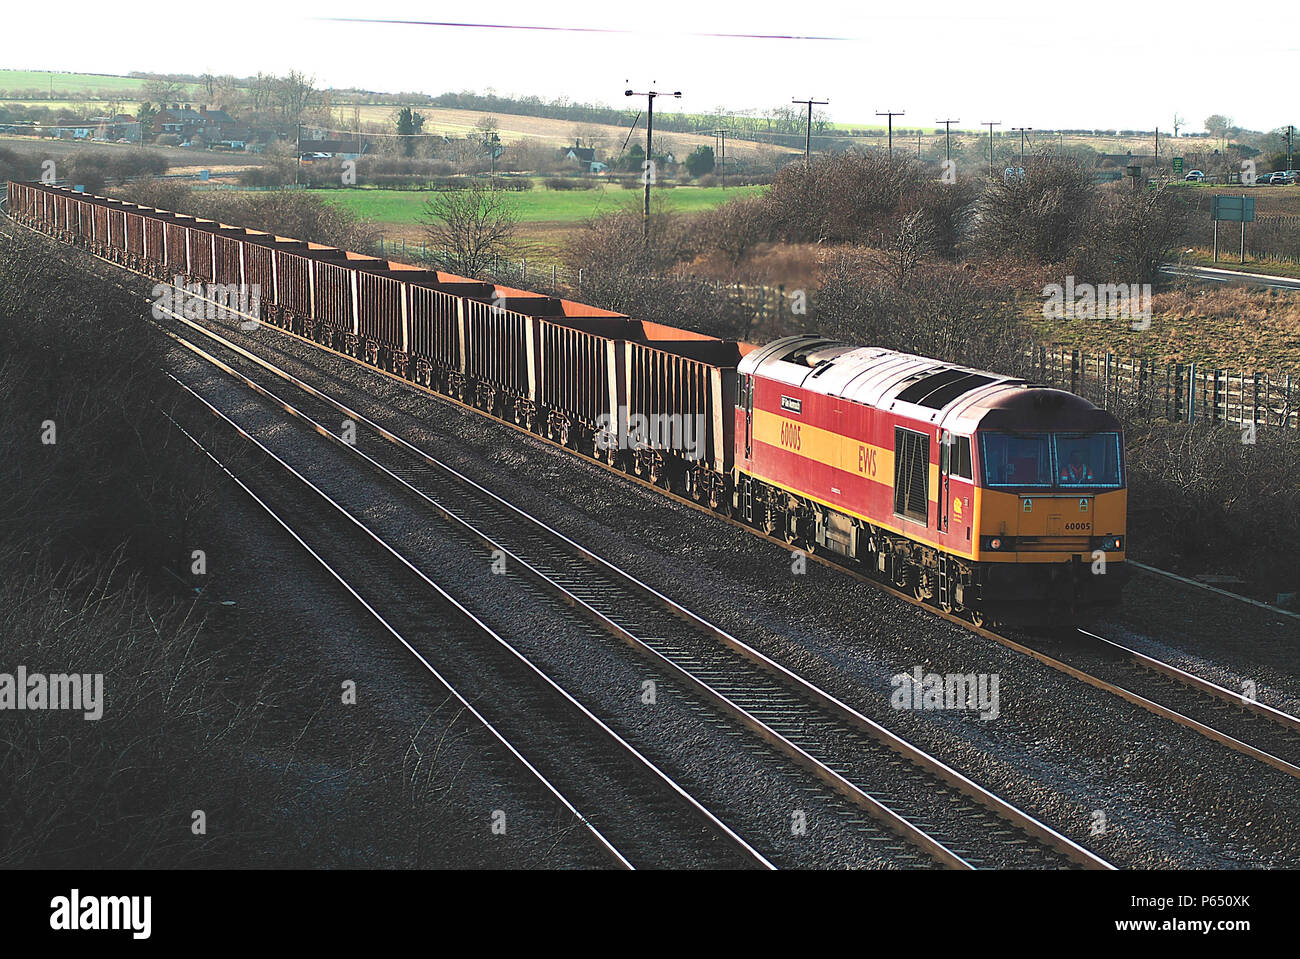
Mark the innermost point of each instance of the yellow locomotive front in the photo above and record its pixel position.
(1051, 505)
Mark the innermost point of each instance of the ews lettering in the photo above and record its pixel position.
(866, 461)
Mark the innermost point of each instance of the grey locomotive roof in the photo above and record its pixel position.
(958, 397)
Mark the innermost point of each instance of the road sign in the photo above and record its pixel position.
(1178, 166)
(1235, 209)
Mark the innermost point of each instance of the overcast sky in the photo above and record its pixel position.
(1102, 64)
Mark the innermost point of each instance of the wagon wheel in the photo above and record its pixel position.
(976, 617)
(715, 500)
(921, 587)
(659, 473)
(698, 492)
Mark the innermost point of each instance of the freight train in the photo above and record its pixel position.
(981, 494)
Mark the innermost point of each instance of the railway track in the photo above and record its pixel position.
(1267, 735)
(1186, 693)
(933, 807)
(637, 814)
(1256, 729)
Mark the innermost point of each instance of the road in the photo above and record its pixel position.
(1215, 275)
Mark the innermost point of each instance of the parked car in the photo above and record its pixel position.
(1263, 178)
(1286, 177)
(1196, 175)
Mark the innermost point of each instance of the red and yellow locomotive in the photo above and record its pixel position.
(974, 491)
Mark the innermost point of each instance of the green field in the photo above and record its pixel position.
(402, 208)
(69, 82)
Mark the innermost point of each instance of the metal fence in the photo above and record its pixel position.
(1181, 392)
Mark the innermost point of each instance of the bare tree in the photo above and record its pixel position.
(1139, 233)
(295, 92)
(468, 227)
(734, 228)
(260, 90)
(913, 241)
(1041, 215)
(228, 92)
(163, 89)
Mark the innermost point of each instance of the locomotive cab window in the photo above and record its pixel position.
(912, 474)
(1019, 460)
(1088, 459)
(954, 456)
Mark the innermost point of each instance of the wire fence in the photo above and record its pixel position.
(1180, 392)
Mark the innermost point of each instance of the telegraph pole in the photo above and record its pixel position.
(648, 172)
(1022, 131)
(720, 140)
(990, 124)
(807, 139)
(947, 137)
(891, 114)
(1290, 129)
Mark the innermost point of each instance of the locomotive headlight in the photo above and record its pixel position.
(1112, 544)
(995, 543)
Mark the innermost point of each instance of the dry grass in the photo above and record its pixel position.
(1232, 327)
(797, 266)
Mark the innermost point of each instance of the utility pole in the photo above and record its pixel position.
(891, 114)
(1022, 131)
(1157, 161)
(297, 155)
(648, 173)
(947, 137)
(807, 139)
(720, 141)
(1290, 129)
(990, 124)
